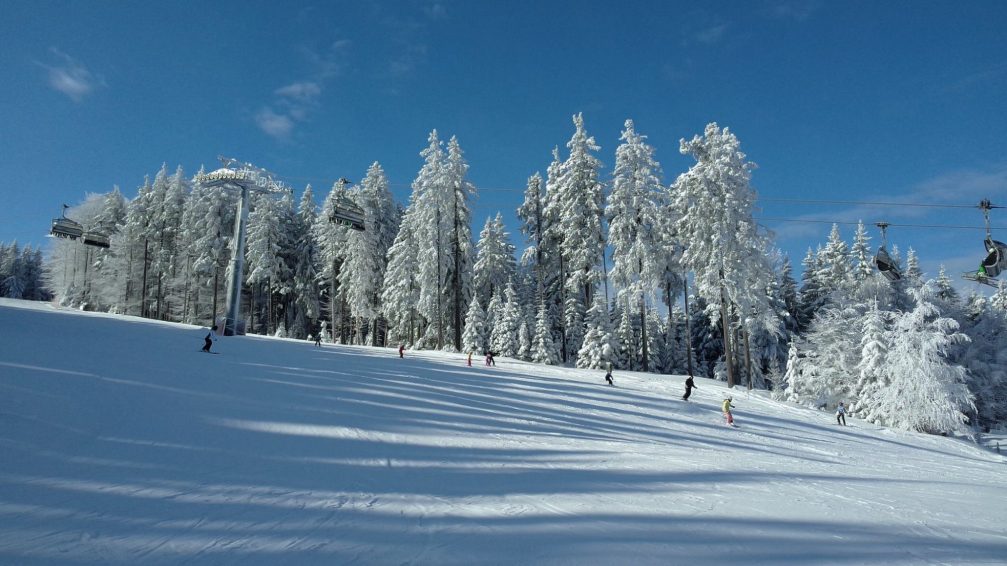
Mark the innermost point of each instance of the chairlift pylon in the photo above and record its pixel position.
(886, 265)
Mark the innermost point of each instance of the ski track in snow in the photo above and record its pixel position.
(122, 445)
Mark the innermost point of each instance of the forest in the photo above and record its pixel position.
(630, 272)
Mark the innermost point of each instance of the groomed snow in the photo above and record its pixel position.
(121, 443)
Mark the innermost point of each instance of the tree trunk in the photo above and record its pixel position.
(562, 309)
(457, 281)
(440, 297)
(143, 289)
(726, 328)
(216, 283)
(643, 335)
(748, 358)
(688, 323)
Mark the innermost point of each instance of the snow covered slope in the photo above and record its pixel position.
(121, 443)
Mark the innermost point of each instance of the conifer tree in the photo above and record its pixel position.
(715, 202)
(331, 239)
(544, 350)
(576, 203)
(598, 350)
(474, 337)
(504, 336)
(927, 392)
(634, 216)
(494, 265)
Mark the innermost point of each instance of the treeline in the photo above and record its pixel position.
(599, 283)
(21, 273)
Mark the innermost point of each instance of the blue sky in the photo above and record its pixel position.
(882, 102)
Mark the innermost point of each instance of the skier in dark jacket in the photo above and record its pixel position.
(208, 341)
(608, 378)
(688, 388)
(402, 350)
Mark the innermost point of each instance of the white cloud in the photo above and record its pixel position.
(710, 35)
(71, 77)
(435, 11)
(301, 91)
(279, 126)
(795, 10)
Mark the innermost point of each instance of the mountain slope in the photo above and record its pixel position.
(122, 443)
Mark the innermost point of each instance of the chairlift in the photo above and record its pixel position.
(886, 265)
(95, 239)
(345, 212)
(63, 227)
(996, 253)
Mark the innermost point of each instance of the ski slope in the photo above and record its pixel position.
(121, 443)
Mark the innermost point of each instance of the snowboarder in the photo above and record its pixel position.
(209, 340)
(470, 359)
(402, 350)
(727, 411)
(841, 414)
(689, 384)
(608, 378)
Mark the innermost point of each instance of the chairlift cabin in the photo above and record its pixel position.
(995, 261)
(351, 216)
(96, 240)
(884, 262)
(63, 227)
(345, 212)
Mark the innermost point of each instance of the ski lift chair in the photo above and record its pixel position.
(1001, 252)
(96, 240)
(63, 227)
(886, 266)
(346, 213)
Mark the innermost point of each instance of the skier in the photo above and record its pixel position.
(841, 414)
(688, 388)
(608, 378)
(318, 339)
(402, 350)
(470, 359)
(490, 359)
(209, 340)
(727, 411)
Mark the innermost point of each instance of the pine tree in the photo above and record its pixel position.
(714, 202)
(872, 380)
(834, 270)
(504, 336)
(598, 350)
(331, 239)
(305, 273)
(400, 291)
(627, 338)
(927, 392)
(494, 265)
(263, 261)
(860, 254)
(474, 338)
(576, 204)
(365, 265)
(634, 217)
(544, 350)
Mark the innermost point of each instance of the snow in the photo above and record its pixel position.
(121, 443)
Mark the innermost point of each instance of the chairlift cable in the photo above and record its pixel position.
(890, 224)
